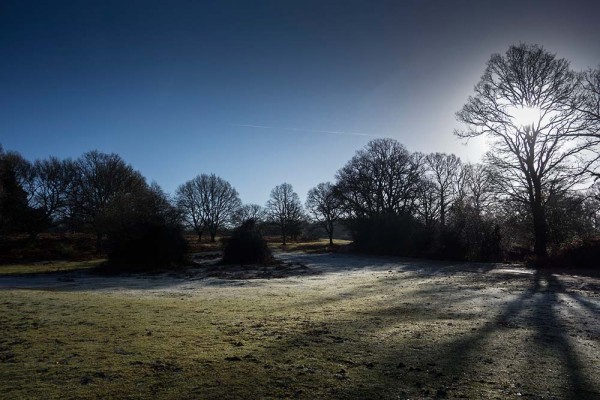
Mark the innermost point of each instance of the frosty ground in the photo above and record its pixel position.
(322, 326)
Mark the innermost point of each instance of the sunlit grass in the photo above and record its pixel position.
(363, 335)
(318, 245)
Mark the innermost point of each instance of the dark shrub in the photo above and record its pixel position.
(581, 254)
(144, 246)
(246, 246)
(389, 234)
(451, 246)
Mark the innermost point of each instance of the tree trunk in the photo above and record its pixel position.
(212, 236)
(539, 219)
(540, 232)
(283, 233)
(443, 211)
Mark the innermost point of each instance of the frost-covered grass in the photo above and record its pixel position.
(396, 330)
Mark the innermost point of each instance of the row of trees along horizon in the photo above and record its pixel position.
(534, 194)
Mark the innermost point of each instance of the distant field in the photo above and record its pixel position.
(47, 267)
(361, 328)
(318, 245)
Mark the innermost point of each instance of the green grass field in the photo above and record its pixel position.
(363, 334)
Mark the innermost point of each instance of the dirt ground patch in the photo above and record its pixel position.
(355, 327)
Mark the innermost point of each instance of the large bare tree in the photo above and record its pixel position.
(524, 105)
(428, 209)
(591, 99)
(220, 201)
(189, 202)
(588, 102)
(324, 206)
(480, 190)
(284, 209)
(445, 172)
(51, 185)
(207, 202)
(382, 178)
(100, 179)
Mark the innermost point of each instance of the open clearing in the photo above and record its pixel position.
(354, 327)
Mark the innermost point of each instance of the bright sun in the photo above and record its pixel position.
(525, 116)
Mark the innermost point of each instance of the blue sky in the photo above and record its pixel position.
(259, 92)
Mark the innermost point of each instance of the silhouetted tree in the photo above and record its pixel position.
(52, 181)
(250, 211)
(144, 231)
(285, 210)
(480, 189)
(428, 204)
(381, 190)
(534, 156)
(380, 179)
(16, 215)
(220, 202)
(99, 180)
(470, 234)
(444, 171)
(569, 219)
(589, 101)
(208, 201)
(324, 206)
(189, 201)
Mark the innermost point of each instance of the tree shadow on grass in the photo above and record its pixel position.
(469, 363)
(536, 310)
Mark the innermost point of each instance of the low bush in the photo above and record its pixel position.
(246, 246)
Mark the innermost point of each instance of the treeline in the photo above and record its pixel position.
(98, 194)
(392, 201)
(532, 195)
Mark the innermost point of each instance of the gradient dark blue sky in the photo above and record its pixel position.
(259, 92)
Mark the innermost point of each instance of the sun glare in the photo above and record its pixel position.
(525, 116)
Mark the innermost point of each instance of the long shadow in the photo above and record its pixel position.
(593, 307)
(535, 308)
(548, 327)
(335, 262)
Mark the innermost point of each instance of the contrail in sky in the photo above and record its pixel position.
(306, 130)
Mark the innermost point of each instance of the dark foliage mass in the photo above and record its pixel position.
(144, 233)
(583, 254)
(414, 205)
(16, 214)
(246, 246)
(47, 247)
(390, 234)
(145, 246)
